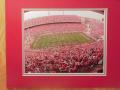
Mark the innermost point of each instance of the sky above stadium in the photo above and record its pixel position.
(88, 14)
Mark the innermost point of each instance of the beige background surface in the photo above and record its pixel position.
(3, 60)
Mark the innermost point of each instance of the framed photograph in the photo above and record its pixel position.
(66, 44)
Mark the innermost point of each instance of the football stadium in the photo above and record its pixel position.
(63, 43)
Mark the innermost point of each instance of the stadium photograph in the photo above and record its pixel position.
(64, 42)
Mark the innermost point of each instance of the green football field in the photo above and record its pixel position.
(60, 39)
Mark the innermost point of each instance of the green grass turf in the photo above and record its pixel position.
(59, 39)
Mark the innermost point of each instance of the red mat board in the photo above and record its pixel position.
(15, 77)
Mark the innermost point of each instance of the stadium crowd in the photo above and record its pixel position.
(65, 59)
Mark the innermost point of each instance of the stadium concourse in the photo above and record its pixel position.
(63, 44)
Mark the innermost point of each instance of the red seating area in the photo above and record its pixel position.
(54, 28)
(66, 59)
(51, 20)
(62, 24)
(97, 28)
